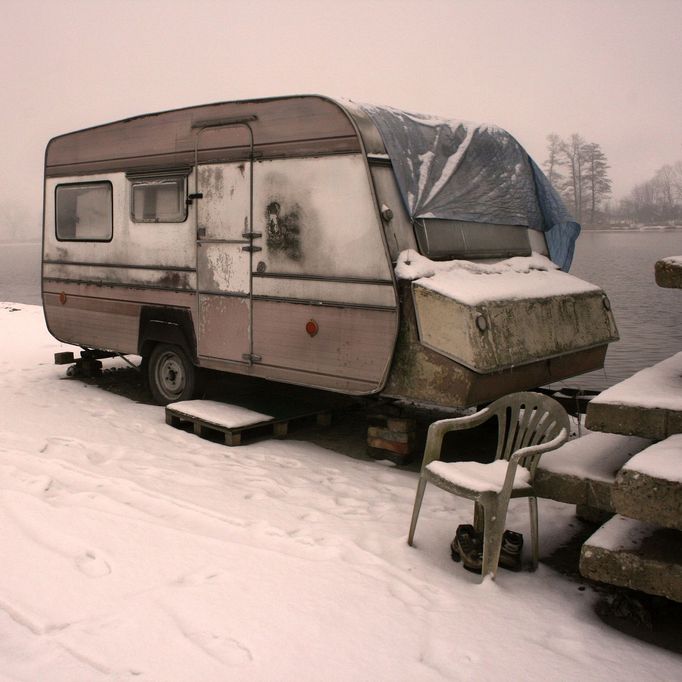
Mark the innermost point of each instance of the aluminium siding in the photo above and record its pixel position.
(292, 126)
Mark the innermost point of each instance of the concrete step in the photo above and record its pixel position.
(635, 554)
(583, 471)
(648, 404)
(649, 486)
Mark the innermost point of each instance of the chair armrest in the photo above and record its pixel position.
(530, 451)
(437, 431)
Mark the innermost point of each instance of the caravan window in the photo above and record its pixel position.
(158, 200)
(447, 239)
(84, 212)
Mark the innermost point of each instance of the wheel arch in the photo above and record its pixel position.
(166, 325)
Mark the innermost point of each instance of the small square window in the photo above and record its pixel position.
(84, 212)
(159, 200)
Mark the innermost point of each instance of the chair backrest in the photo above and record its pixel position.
(526, 419)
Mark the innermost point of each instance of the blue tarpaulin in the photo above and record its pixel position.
(456, 170)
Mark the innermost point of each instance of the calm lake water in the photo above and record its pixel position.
(649, 318)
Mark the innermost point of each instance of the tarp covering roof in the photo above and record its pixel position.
(457, 170)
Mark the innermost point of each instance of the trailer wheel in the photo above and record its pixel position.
(171, 374)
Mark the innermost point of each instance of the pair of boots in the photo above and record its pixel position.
(467, 546)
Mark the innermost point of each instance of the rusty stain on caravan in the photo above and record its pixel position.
(283, 229)
(175, 280)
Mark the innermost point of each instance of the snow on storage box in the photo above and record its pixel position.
(494, 316)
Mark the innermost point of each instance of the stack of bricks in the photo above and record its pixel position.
(392, 438)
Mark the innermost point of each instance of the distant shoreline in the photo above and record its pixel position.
(631, 228)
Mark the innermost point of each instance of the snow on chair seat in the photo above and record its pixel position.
(478, 475)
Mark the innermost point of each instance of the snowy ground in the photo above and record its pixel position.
(131, 550)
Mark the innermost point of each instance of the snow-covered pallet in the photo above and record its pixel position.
(583, 471)
(220, 421)
(649, 486)
(635, 554)
(648, 404)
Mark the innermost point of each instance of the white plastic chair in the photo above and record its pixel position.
(529, 424)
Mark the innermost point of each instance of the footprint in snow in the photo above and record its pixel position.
(221, 647)
(200, 577)
(64, 441)
(93, 566)
(98, 457)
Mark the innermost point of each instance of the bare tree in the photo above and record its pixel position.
(573, 152)
(597, 181)
(585, 183)
(666, 190)
(554, 161)
(658, 199)
(677, 181)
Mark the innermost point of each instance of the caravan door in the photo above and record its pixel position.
(224, 261)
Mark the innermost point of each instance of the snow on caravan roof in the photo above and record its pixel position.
(458, 170)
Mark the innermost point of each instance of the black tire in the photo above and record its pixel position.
(170, 374)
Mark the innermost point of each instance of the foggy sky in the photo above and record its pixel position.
(609, 70)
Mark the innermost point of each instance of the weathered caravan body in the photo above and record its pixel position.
(261, 237)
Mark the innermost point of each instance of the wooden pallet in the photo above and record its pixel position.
(214, 429)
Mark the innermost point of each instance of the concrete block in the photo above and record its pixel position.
(628, 420)
(583, 471)
(573, 490)
(637, 555)
(647, 404)
(649, 487)
(669, 272)
(592, 514)
(648, 499)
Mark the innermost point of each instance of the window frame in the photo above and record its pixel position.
(496, 251)
(157, 178)
(87, 183)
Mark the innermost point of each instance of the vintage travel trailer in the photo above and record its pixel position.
(346, 247)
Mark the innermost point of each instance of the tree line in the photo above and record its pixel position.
(658, 200)
(579, 171)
